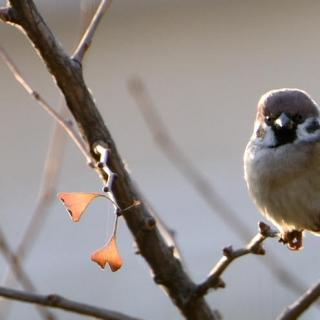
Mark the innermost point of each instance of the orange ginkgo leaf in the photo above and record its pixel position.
(77, 202)
(108, 254)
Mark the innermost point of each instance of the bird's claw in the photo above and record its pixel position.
(293, 239)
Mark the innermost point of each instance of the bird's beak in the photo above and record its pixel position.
(284, 122)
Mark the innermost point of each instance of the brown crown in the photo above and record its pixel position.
(293, 102)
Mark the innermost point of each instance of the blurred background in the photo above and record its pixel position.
(205, 64)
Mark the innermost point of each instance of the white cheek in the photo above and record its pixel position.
(269, 139)
(304, 135)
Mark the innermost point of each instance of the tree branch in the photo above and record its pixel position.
(86, 40)
(229, 255)
(46, 194)
(23, 278)
(56, 116)
(67, 72)
(205, 190)
(302, 304)
(50, 170)
(56, 301)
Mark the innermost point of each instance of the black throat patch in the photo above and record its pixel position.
(284, 135)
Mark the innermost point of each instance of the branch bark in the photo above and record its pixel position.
(302, 304)
(56, 301)
(67, 72)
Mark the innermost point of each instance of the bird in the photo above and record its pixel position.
(282, 163)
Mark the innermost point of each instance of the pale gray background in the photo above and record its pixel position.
(205, 63)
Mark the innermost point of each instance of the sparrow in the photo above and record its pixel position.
(282, 163)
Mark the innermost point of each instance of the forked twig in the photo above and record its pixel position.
(63, 123)
(295, 310)
(55, 149)
(86, 40)
(229, 255)
(58, 302)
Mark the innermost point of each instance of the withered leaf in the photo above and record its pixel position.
(108, 254)
(77, 202)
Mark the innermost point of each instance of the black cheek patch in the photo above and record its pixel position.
(313, 126)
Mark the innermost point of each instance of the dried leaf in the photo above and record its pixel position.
(108, 254)
(77, 202)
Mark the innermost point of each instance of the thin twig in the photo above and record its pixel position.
(50, 171)
(177, 157)
(23, 278)
(193, 175)
(167, 270)
(86, 40)
(52, 163)
(229, 255)
(295, 310)
(46, 192)
(56, 301)
(63, 123)
(45, 196)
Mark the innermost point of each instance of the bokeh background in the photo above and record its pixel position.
(205, 63)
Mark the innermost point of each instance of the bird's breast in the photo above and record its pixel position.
(285, 183)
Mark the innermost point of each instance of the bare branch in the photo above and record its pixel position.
(86, 40)
(192, 174)
(56, 301)
(229, 255)
(295, 310)
(52, 163)
(166, 268)
(49, 177)
(23, 278)
(64, 124)
(182, 163)
(45, 196)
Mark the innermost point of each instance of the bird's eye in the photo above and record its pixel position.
(313, 126)
(268, 120)
(298, 118)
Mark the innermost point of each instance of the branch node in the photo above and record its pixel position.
(118, 212)
(36, 95)
(264, 229)
(149, 223)
(220, 284)
(53, 299)
(105, 188)
(228, 251)
(158, 280)
(258, 249)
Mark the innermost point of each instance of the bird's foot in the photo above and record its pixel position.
(293, 239)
